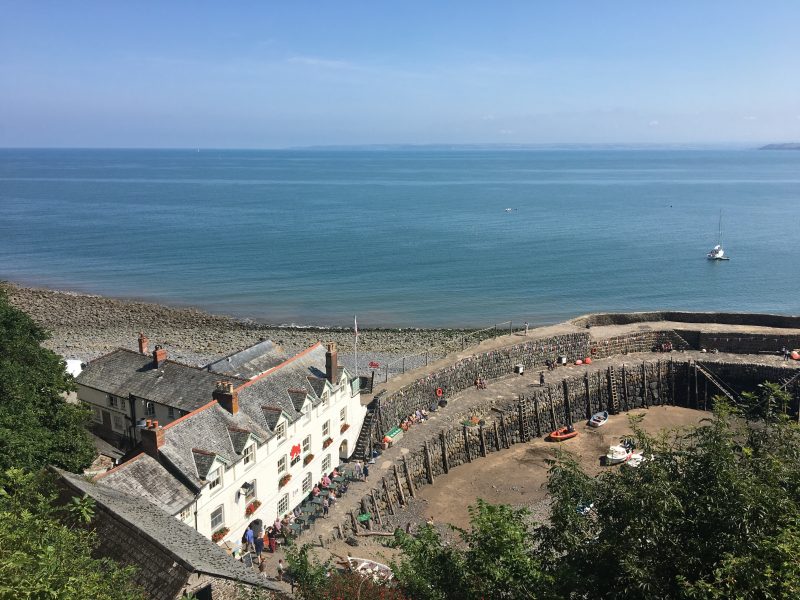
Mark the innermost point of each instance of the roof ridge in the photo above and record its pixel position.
(204, 452)
(276, 367)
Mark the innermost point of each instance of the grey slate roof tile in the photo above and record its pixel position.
(251, 361)
(203, 461)
(196, 552)
(144, 477)
(125, 372)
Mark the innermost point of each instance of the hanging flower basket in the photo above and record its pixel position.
(327, 443)
(284, 480)
(344, 428)
(308, 459)
(252, 507)
(219, 534)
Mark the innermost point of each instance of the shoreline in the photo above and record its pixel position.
(85, 326)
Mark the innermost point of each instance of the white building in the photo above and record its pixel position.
(252, 450)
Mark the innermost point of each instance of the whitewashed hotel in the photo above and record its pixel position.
(252, 450)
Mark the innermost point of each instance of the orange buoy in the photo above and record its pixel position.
(587, 360)
(579, 362)
(795, 355)
(439, 392)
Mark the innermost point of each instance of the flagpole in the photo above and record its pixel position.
(355, 331)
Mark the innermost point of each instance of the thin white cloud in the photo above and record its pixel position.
(750, 118)
(489, 117)
(325, 63)
(654, 123)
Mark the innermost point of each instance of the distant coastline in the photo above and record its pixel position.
(787, 146)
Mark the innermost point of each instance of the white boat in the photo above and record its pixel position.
(509, 209)
(618, 454)
(370, 568)
(636, 459)
(598, 419)
(717, 252)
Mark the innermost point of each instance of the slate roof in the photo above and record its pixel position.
(187, 546)
(251, 361)
(144, 477)
(124, 372)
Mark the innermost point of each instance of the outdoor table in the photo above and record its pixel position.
(338, 479)
(324, 493)
(317, 501)
(295, 529)
(306, 510)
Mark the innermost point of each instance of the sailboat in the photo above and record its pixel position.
(717, 253)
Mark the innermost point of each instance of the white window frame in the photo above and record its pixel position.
(306, 444)
(326, 429)
(307, 482)
(249, 456)
(122, 404)
(221, 523)
(97, 414)
(343, 415)
(325, 399)
(149, 409)
(186, 513)
(280, 432)
(215, 483)
(326, 464)
(251, 494)
(283, 505)
(112, 402)
(170, 412)
(282, 464)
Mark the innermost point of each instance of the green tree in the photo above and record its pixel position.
(37, 427)
(43, 557)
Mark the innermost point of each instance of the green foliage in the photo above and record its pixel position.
(37, 427)
(40, 557)
(768, 402)
(308, 574)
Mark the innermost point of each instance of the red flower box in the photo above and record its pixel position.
(252, 507)
(308, 459)
(327, 443)
(219, 534)
(344, 428)
(284, 480)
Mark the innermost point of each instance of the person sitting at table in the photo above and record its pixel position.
(326, 481)
(331, 498)
(424, 414)
(297, 512)
(315, 491)
(277, 524)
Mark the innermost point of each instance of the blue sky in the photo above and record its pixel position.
(268, 74)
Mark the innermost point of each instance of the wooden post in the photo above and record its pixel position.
(428, 463)
(409, 480)
(600, 392)
(521, 424)
(552, 409)
(696, 393)
(354, 521)
(672, 380)
(466, 444)
(567, 407)
(705, 392)
(401, 497)
(625, 388)
(445, 458)
(644, 386)
(538, 416)
(377, 509)
(506, 439)
(588, 396)
(496, 437)
(365, 511)
(388, 496)
(660, 391)
(483, 440)
(341, 534)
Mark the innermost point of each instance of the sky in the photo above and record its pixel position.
(270, 74)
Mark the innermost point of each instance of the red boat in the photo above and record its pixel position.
(565, 433)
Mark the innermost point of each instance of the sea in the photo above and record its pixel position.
(411, 237)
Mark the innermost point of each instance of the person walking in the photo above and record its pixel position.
(541, 377)
(358, 470)
(281, 569)
(785, 353)
(325, 507)
(249, 539)
(272, 539)
(366, 471)
(259, 546)
(526, 328)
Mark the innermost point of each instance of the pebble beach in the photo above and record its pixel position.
(85, 326)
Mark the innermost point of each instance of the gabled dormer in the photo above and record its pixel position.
(277, 421)
(210, 468)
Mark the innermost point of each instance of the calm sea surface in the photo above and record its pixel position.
(407, 238)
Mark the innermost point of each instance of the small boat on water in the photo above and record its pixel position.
(618, 454)
(717, 252)
(563, 433)
(599, 418)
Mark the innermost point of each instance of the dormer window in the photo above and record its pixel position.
(149, 409)
(249, 455)
(112, 402)
(280, 432)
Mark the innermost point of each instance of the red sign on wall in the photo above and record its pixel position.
(295, 451)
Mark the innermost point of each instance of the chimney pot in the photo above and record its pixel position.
(143, 342)
(227, 397)
(331, 363)
(159, 356)
(152, 439)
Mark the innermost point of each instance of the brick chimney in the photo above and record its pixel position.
(159, 356)
(142, 343)
(331, 363)
(227, 397)
(152, 438)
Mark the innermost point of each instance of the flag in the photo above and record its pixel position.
(355, 325)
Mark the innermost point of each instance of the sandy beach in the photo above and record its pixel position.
(84, 326)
